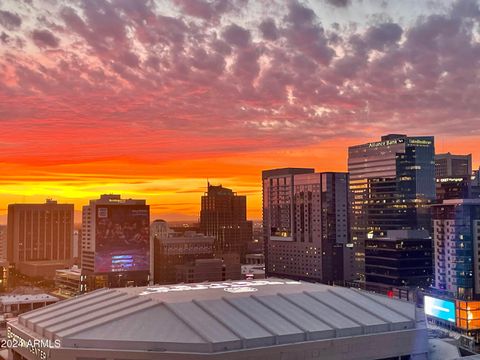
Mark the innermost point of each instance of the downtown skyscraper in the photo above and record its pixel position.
(452, 165)
(392, 184)
(456, 225)
(306, 226)
(455, 178)
(39, 232)
(223, 215)
(115, 242)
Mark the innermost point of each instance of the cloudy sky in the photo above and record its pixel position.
(151, 98)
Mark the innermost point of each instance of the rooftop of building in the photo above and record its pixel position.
(286, 171)
(217, 317)
(394, 139)
(449, 154)
(255, 256)
(393, 136)
(47, 203)
(75, 270)
(186, 237)
(26, 298)
(404, 234)
(46, 262)
(218, 190)
(115, 199)
(459, 202)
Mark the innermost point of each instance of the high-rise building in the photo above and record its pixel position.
(3, 243)
(202, 270)
(39, 233)
(4, 265)
(450, 165)
(399, 258)
(456, 225)
(454, 177)
(454, 188)
(172, 249)
(223, 215)
(392, 184)
(4, 276)
(476, 177)
(306, 226)
(159, 230)
(115, 242)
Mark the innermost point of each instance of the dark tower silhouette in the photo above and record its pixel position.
(224, 216)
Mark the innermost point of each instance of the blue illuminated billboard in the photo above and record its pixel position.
(441, 309)
(122, 238)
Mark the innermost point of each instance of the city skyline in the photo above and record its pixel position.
(192, 214)
(207, 92)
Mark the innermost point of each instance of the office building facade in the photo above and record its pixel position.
(306, 226)
(223, 215)
(39, 232)
(3, 243)
(399, 258)
(392, 184)
(451, 165)
(202, 270)
(115, 242)
(177, 249)
(456, 225)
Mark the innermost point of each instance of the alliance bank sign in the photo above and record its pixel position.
(386, 143)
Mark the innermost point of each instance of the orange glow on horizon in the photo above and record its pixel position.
(173, 187)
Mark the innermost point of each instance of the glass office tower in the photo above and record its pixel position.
(392, 184)
(456, 234)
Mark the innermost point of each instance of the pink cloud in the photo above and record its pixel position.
(119, 78)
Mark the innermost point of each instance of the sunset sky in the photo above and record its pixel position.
(150, 99)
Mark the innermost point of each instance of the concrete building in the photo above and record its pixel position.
(159, 231)
(4, 276)
(42, 269)
(39, 235)
(77, 244)
(223, 215)
(179, 249)
(208, 270)
(306, 227)
(115, 242)
(257, 320)
(451, 165)
(255, 259)
(4, 264)
(18, 304)
(68, 281)
(3, 243)
(456, 225)
(392, 184)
